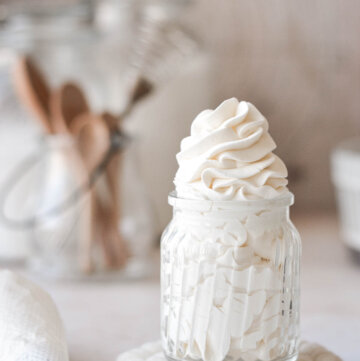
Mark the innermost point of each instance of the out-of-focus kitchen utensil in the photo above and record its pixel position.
(113, 176)
(93, 138)
(93, 142)
(66, 111)
(33, 91)
(67, 103)
(165, 43)
(140, 89)
(112, 216)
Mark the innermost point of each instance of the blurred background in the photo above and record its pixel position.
(298, 62)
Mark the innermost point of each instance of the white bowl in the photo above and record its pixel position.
(345, 173)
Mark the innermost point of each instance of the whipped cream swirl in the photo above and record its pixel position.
(228, 156)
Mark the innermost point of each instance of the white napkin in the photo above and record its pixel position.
(152, 352)
(30, 325)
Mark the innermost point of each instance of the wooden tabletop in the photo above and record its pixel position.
(105, 319)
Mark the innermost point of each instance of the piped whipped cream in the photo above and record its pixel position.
(229, 156)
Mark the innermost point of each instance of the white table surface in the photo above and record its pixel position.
(103, 320)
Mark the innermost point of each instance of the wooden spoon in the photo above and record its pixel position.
(67, 103)
(33, 91)
(140, 89)
(72, 114)
(93, 139)
(113, 176)
(93, 142)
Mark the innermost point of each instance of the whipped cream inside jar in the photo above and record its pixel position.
(230, 256)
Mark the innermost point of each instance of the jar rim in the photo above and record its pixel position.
(284, 200)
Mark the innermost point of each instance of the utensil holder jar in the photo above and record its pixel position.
(63, 238)
(66, 43)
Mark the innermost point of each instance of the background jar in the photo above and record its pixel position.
(65, 41)
(230, 281)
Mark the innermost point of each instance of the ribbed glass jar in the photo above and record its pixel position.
(230, 281)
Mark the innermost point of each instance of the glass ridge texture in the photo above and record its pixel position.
(230, 281)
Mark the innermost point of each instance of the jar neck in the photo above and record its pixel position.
(268, 211)
(271, 216)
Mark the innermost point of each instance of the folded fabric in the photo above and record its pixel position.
(30, 325)
(152, 352)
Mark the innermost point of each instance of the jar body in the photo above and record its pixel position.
(60, 205)
(230, 283)
(66, 45)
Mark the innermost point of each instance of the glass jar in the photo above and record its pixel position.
(64, 43)
(68, 43)
(64, 208)
(230, 281)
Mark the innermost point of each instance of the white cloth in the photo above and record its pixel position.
(152, 352)
(30, 325)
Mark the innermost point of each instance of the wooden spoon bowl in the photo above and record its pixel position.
(68, 103)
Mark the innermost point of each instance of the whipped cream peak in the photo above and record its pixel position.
(228, 156)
